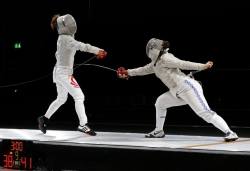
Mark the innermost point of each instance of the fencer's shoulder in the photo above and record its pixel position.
(168, 55)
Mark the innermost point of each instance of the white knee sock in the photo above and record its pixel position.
(80, 110)
(220, 123)
(160, 118)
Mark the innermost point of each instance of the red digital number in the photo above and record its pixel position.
(26, 162)
(30, 163)
(8, 161)
(16, 146)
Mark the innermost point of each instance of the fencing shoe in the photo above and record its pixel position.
(43, 123)
(86, 129)
(155, 134)
(230, 136)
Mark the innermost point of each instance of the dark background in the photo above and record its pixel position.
(197, 32)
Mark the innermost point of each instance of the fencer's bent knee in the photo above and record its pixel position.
(207, 116)
(79, 97)
(61, 100)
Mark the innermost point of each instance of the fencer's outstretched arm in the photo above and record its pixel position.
(85, 47)
(126, 73)
(173, 62)
(77, 45)
(145, 70)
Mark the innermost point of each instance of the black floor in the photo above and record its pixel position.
(63, 157)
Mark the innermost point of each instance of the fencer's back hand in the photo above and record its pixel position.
(101, 54)
(209, 65)
(122, 73)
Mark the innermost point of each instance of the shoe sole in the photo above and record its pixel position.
(86, 133)
(231, 139)
(154, 136)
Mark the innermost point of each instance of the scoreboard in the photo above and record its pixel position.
(17, 154)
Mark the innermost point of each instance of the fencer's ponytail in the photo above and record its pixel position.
(53, 23)
(165, 45)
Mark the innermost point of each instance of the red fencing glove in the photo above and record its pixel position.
(101, 54)
(122, 73)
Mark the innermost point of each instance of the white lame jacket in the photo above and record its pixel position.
(167, 69)
(66, 49)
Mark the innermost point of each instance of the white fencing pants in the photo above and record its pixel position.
(191, 94)
(67, 84)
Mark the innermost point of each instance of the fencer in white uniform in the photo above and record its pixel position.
(182, 88)
(63, 71)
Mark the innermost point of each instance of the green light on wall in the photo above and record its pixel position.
(17, 45)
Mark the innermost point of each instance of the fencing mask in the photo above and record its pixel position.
(155, 48)
(66, 24)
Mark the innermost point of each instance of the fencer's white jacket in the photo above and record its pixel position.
(66, 49)
(168, 70)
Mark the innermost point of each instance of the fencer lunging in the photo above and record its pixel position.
(63, 71)
(182, 88)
